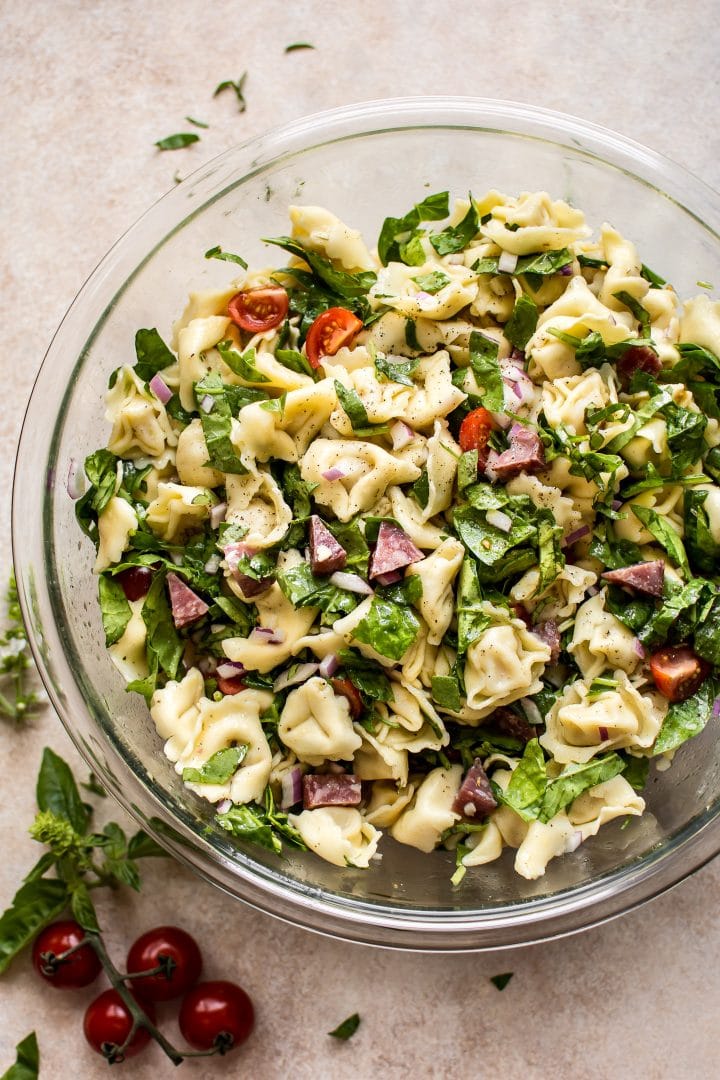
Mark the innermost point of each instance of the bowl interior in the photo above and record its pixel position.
(363, 170)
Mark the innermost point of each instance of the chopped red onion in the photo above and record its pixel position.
(616, 504)
(75, 481)
(424, 300)
(501, 419)
(207, 403)
(499, 520)
(592, 590)
(160, 388)
(301, 674)
(333, 474)
(291, 784)
(213, 564)
(566, 271)
(573, 842)
(217, 515)
(351, 582)
(507, 263)
(532, 713)
(575, 535)
(390, 578)
(229, 669)
(267, 635)
(329, 665)
(639, 649)
(224, 806)
(455, 260)
(716, 708)
(603, 733)
(207, 665)
(401, 434)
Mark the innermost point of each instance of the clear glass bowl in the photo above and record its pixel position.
(363, 162)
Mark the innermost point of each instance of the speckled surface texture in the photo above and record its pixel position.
(87, 89)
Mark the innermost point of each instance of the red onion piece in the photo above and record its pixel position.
(616, 504)
(207, 403)
(217, 515)
(592, 590)
(229, 669)
(300, 675)
(213, 564)
(160, 388)
(716, 708)
(639, 649)
(401, 434)
(75, 480)
(267, 635)
(333, 474)
(330, 663)
(603, 732)
(501, 419)
(575, 535)
(531, 711)
(507, 263)
(499, 520)
(291, 784)
(350, 582)
(573, 842)
(566, 271)
(224, 806)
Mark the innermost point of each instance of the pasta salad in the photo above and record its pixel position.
(419, 540)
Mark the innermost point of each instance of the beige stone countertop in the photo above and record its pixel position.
(88, 86)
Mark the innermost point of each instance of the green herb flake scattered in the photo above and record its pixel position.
(238, 87)
(197, 123)
(178, 141)
(347, 1029)
(297, 46)
(501, 981)
(226, 256)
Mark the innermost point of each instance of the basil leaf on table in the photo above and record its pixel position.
(27, 1061)
(57, 791)
(35, 905)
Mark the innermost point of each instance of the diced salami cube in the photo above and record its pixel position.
(187, 606)
(393, 551)
(524, 454)
(509, 723)
(326, 554)
(341, 789)
(637, 358)
(645, 577)
(475, 799)
(549, 633)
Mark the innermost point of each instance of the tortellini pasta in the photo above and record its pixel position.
(355, 550)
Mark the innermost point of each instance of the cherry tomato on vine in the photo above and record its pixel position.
(259, 309)
(232, 685)
(351, 692)
(334, 328)
(218, 1014)
(79, 969)
(475, 430)
(108, 1023)
(183, 963)
(677, 671)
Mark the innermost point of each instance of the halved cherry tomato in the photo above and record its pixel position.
(334, 328)
(677, 671)
(259, 309)
(232, 685)
(475, 430)
(351, 692)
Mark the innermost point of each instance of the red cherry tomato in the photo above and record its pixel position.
(475, 430)
(334, 328)
(108, 1023)
(185, 963)
(218, 1014)
(259, 309)
(677, 671)
(232, 685)
(79, 969)
(351, 692)
(136, 581)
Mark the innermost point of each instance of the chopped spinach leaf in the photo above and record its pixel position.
(485, 366)
(522, 323)
(574, 780)
(398, 231)
(241, 364)
(388, 628)
(432, 282)
(226, 256)
(296, 361)
(446, 692)
(641, 314)
(114, 608)
(356, 413)
(455, 238)
(665, 536)
(304, 589)
(399, 371)
(152, 354)
(656, 282)
(685, 719)
(218, 768)
(348, 286)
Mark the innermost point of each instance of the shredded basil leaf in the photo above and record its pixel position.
(218, 768)
(177, 142)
